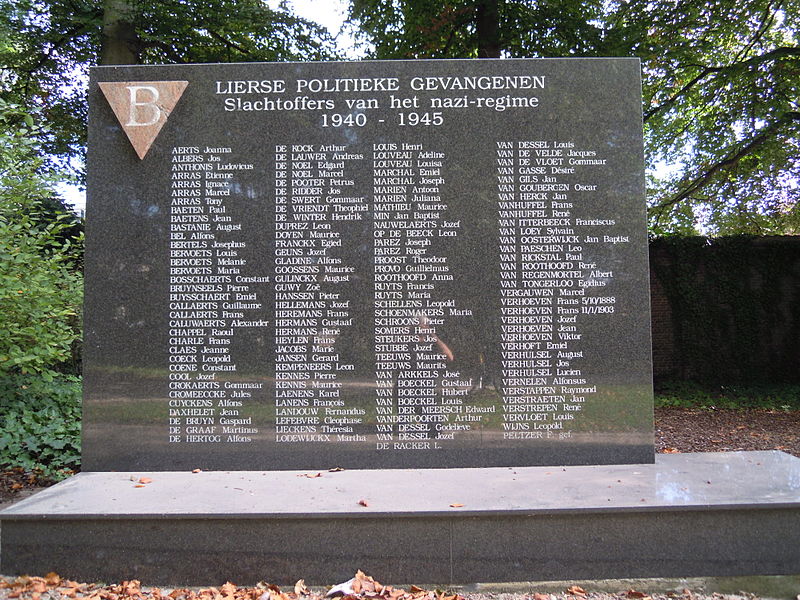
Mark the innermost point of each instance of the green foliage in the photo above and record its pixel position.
(688, 394)
(721, 99)
(721, 83)
(41, 430)
(40, 289)
(47, 46)
(721, 78)
(450, 29)
(227, 31)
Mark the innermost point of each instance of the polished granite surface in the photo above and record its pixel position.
(675, 482)
(500, 298)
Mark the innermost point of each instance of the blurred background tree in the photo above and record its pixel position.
(721, 78)
(41, 243)
(46, 47)
(721, 85)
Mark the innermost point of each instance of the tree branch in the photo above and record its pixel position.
(228, 43)
(729, 161)
(772, 55)
(769, 19)
(44, 57)
(674, 98)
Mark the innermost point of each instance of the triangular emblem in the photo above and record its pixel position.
(142, 108)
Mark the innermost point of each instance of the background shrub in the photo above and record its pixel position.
(42, 424)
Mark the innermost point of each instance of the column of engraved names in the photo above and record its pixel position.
(544, 283)
(209, 300)
(418, 398)
(535, 275)
(315, 196)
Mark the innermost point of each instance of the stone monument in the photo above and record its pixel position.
(371, 315)
(433, 264)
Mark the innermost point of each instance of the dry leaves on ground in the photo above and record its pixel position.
(360, 587)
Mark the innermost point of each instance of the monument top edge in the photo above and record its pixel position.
(111, 68)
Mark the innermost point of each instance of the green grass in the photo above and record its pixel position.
(686, 394)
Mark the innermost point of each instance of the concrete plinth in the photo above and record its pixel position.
(689, 515)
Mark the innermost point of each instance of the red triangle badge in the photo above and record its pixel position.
(142, 108)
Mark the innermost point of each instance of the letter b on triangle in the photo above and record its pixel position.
(142, 108)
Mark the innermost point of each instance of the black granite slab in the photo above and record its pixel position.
(367, 265)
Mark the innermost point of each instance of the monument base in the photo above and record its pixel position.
(688, 515)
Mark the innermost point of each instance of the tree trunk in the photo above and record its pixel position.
(120, 42)
(487, 27)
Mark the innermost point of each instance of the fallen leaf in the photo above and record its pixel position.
(197, 470)
(671, 451)
(576, 590)
(456, 505)
(635, 594)
(139, 486)
(335, 470)
(132, 587)
(145, 480)
(300, 588)
(363, 502)
(366, 585)
(541, 597)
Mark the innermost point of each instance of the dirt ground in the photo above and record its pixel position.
(704, 430)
